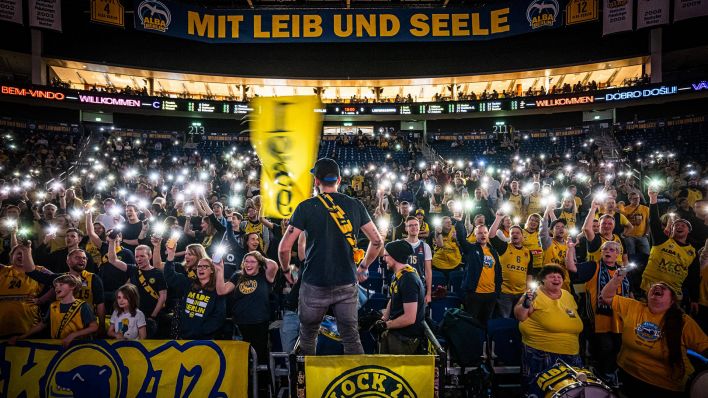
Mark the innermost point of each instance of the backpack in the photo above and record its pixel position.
(465, 337)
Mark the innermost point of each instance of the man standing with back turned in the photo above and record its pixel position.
(333, 263)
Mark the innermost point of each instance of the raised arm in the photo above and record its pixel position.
(156, 252)
(90, 231)
(112, 258)
(498, 217)
(271, 270)
(375, 244)
(657, 231)
(587, 225)
(222, 288)
(570, 256)
(610, 289)
(286, 245)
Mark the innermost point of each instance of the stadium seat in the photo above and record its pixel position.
(504, 344)
(439, 306)
(456, 282)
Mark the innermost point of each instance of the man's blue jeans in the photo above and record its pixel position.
(313, 305)
(289, 330)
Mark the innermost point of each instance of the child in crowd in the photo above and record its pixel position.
(127, 321)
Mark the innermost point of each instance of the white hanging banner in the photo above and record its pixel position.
(45, 14)
(652, 13)
(685, 9)
(11, 11)
(617, 15)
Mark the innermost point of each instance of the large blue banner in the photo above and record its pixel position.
(483, 22)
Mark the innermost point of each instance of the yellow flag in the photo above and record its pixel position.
(370, 376)
(285, 132)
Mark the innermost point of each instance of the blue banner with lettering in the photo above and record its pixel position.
(482, 22)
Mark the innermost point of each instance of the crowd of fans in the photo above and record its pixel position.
(156, 238)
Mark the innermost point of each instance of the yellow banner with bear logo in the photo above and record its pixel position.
(285, 132)
(401, 376)
(113, 368)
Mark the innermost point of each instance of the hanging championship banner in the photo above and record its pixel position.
(45, 14)
(685, 9)
(618, 16)
(107, 11)
(370, 375)
(127, 368)
(11, 11)
(285, 132)
(652, 13)
(579, 11)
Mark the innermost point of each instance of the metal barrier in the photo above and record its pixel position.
(297, 380)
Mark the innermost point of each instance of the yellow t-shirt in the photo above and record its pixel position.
(515, 264)
(570, 218)
(448, 256)
(472, 238)
(555, 254)
(668, 262)
(486, 278)
(17, 314)
(554, 325)
(533, 243)
(578, 202)
(693, 196)
(535, 205)
(517, 205)
(644, 352)
(638, 216)
(357, 182)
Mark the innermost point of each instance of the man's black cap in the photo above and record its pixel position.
(326, 169)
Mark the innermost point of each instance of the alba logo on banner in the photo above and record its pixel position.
(542, 13)
(154, 15)
(121, 369)
(388, 376)
(285, 132)
(652, 13)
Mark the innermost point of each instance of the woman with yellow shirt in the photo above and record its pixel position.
(550, 325)
(655, 338)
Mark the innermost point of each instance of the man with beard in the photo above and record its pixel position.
(56, 261)
(91, 286)
(149, 281)
(607, 337)
(447, 256)
(401, 326)
(517, 266)
(672, 259)
(553, 243)
(399, 217)
(637, 240)
(483, 273)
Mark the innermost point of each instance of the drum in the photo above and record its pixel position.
(565, 381)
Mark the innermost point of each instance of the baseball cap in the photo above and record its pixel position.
(326, 169)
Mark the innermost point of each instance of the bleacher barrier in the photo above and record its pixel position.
(383, 375)
(126, 368)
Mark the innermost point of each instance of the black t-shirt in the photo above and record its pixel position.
(112, 277)
(131, 231)
(408, 288)
(329, 259)
(153, 280)
(252, 302)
